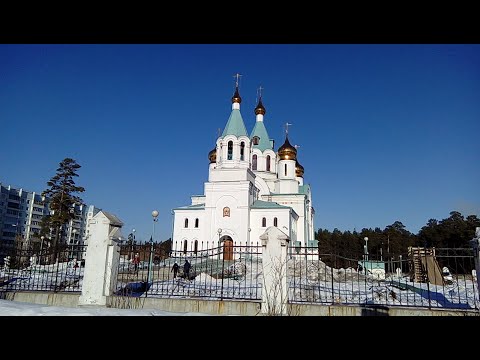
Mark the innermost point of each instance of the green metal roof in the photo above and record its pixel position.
(235, 125)
(260, 204)
(260, 131)
(191, 207)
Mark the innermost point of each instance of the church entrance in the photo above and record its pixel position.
(227, 248)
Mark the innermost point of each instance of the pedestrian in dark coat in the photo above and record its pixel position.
(186, 270)
(175, 269)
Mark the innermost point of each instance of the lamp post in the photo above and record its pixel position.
(150, 260)
(41, 248)
(132, 242)
(365, 249)
(223, 261)
(72, 242)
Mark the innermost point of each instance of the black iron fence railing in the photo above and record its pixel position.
(228, 271)
(424, 277)
(27, 269)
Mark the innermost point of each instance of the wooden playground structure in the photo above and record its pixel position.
(424, 266)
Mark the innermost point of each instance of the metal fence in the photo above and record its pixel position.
(226, 271)
(430, 278)
(57, 270)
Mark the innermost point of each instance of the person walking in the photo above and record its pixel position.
(186, 269)
(136, 262)
(175, 269)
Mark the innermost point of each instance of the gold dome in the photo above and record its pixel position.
(287, 151)
(260, 109)
(212, 155)
(236, 97)
(299, 170)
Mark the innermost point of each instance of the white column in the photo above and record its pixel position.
(101, 263)
(274, 262)
(475, 243)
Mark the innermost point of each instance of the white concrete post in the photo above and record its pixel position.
(101, 260)
(274, 262)
(475, 243)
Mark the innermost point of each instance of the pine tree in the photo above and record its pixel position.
(62, 201)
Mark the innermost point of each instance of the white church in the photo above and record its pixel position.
(250, 187)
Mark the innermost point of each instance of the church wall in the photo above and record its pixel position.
(286, 186)
(227, 174)
(231, 214)
(297, 202)
(256, 216)
(191, 233)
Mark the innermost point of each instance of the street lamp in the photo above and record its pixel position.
(219, 232)
(41, 248)
(365, 249)
(150, 260)
(155, 219)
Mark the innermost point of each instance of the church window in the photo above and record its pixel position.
(275, 222)
(254, 162)
(195, 249)
(185, 246)
(264, 222)
(285, 169)
(255, 140)
(268, 162)
(242, 151)
(186, 223)
(230, 150)
(226, 212)
(196, 223)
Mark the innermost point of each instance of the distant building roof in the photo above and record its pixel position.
(113, 219)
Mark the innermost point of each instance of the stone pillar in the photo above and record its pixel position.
(274, 262)
(101, 259)
(475, 243)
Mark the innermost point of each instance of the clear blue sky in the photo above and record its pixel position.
(386, 132)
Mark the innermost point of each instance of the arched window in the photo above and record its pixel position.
(242, 151)
(196, 223)
(254, 162)
(268, 162)
(230, 150)
(285, 169)
(186, 223)
(264, 222)
(195, 249)
(255, 140)
(275, 222)
(185, 245)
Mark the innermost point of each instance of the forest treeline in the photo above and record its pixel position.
(453, 232)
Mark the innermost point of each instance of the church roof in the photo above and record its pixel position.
(260, 204)
(235, 125)
(260, 131)
(191, 207)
